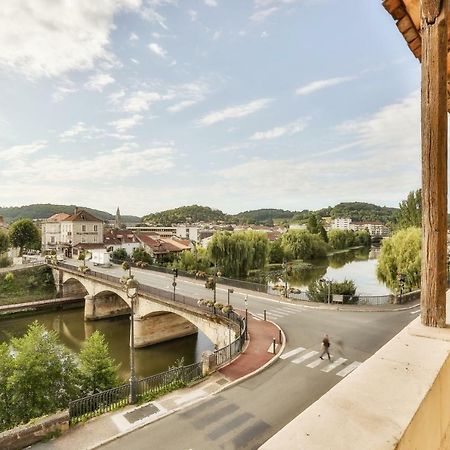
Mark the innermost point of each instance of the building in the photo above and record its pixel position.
(159, 248)
(375, 228)
(341, 223)
(185, 232)
(67, 233)
(51, 231)
(116, 239)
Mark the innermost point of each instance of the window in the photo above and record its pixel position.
(52, 239)
(95, 239)
(83, 227)
(83, 240)
(95, 227)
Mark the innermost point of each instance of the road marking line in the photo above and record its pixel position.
(304, 357)
(315, 363)
(415, 312)
(270, 349)
(280, 311)
(348, 369)
(292, 308)
(334, 364)
(275, 314)
(292, 353)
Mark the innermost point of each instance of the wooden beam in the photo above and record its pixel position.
(434, 162)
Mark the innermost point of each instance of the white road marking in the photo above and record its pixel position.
(315, 363)
(275, 314)
(415, 312)
(270, 349)
(294, 309)
(334, 364)
(191, 396)
(292, 353)
(304, 357)
(348, 369)
(281, 312)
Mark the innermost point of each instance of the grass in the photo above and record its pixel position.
(27, 285)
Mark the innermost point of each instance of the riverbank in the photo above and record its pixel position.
(20, 285)
(53, 304)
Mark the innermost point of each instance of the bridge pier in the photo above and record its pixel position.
(160, 327)
(104, 306)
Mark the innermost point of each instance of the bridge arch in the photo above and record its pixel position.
(73, 286)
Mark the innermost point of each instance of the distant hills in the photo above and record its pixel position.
(357, 211)
(43, 211)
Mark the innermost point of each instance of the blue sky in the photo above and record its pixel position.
(233, 104)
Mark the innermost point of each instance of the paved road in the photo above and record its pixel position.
(246, 415)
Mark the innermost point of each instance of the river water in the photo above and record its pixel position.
(73, 330)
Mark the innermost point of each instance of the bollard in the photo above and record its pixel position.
(279, 336)
(274, 345)
(265, 315)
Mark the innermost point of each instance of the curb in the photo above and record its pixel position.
(259, 369)
(193, 402)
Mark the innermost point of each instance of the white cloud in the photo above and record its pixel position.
(181, 105)
(99, 81)
(318, 85)
(134, 61)
(284, 130)
(118, 163)
(211, 3)
(65, 88)
(19, 152)
(133, 37)
(157, 50)
(264, 34)
(192, 15)
(140, 101)
(81, 132)
(262, 15)
(48, 39)
(234, 112)
(217, 35)
(126, 123)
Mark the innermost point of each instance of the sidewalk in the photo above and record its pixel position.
(257, 355)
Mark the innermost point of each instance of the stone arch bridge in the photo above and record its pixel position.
(157, 317)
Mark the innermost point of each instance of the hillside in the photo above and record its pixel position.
(43, 211)
(183, 214)
(359, 211)
(262, 216)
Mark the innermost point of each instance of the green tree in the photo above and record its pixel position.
(341, 239)
(401, 254)
(304, 245)
(98, 371)
(410, 214)
(120, 254)
(45, 374)
(6, 370)
(276, 252)
(24, 235)
(4, 242)
(318, 290)
(236, 253)
(139, 254)
(314, 224)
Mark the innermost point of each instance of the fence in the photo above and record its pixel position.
(93, 405)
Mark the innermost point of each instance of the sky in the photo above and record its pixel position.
(233, 104)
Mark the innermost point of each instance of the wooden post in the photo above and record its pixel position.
(434, 162)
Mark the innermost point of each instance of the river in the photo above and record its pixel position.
(73, 330)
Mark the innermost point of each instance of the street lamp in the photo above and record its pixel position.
(174, 284)
(328, 282)
(132, 286)
(230, 291)
(216, 274)
(284, 265)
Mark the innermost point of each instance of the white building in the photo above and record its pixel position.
(63, 232)
(341, 223)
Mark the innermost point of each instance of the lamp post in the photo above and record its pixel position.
(132, 291)
(284, 265)
(328, 282)
(216, 274)
(230, 291)
(246, 316)
(174, 284)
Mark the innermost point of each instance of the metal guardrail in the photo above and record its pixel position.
(93, 405)
(156, 383)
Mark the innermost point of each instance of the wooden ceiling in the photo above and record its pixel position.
(406, 13)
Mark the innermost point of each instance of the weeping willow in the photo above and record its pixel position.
(237, 253)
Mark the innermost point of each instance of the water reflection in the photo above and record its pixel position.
(358, 265)
(73, 330)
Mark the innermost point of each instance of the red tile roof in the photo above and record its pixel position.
(82, 216)
(58, 217)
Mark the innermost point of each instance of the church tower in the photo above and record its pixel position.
(118, 220)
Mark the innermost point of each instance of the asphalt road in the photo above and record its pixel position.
(246, 415)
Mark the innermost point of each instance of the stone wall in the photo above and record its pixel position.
(40, 429)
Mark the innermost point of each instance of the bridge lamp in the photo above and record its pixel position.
(328, 282)
(132, 287)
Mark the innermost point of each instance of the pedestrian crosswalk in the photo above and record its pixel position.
(279, 312)
(301, 355)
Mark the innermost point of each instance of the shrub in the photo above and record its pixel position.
(5, 261)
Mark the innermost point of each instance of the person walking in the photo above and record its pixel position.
(326, 347)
